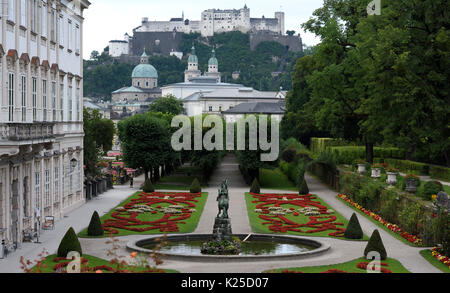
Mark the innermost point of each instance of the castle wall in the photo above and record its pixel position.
(293, 42)
(118, 48)
(155, 43)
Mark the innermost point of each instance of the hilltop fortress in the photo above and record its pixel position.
(164, 37)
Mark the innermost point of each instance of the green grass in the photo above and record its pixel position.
(396, 235)
(275, 179)
(394, 265)
(447, 189)
(432, 260)
(93, 261)
(160, 186)
(258, 227)
(189, 226)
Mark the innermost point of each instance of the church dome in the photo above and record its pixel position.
(144, 71)
(193, 58)
(213, 60)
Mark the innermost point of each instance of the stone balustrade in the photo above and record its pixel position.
(26, 131)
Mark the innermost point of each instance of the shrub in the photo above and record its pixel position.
(389, 205)
(304, 188)
(353, 230)
(430, 188)
(255, 187)
(69, 243)
(288, 155)
(409, 217)
(95, 227)
(376, 244)
(439, 172)
(148, 186)
(408, 166)
(195, 186)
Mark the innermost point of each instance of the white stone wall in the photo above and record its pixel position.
(40, 84)
(117, 49)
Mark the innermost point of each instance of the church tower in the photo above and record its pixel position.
(213, 67)
(192, 70)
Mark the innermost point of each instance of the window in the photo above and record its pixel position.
(56, 181)
(54, 100)
(69, 35)
(71, 179)
(53, 26)
(79, 175)
(11, 96)
(77, 98)
(210, 108)
(44, 21)
(63, 180)
(47, 202)
(61, 30)
(61, 100)
(11, 10)
(44, 100)
(34, 16)
(70, 103)
(23, 93)
(77, 38)
(37, 184)
(34, 97)
(23, 13)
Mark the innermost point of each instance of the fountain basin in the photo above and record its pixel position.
(259, 248)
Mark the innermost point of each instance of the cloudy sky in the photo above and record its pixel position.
(107, 20)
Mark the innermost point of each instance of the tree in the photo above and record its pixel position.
(304, 190)
(375, 244)
(145, 142)
(98, 138)
(167, 105)
(69, 243)
(195, 186)
(353, 230)
(148, 186)
(255, 188)
(95, 227)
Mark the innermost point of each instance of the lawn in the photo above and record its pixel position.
(92, 262)
(294, 222)
(394, 234)
(275, 179)
(350, 267)
(432, 260)
(158, 216)
(181, 179)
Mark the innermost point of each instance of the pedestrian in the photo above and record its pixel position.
(131, 181)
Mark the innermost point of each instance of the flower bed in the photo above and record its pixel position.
(173, 208)
(442, 258)
(309, 215)
(392, 227)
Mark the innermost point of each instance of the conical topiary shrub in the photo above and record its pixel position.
(148, 186)
(69, 243)
(304, 188)
(376, 244)
(353, 230)
(195, 186)
(95, 227)
(255, 187)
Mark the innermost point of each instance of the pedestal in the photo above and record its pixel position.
(222, 229)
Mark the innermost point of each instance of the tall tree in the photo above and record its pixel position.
(167, 105)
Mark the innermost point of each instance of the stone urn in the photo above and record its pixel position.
(361, 169)
(391, 178)
(376, 173)
(411, 185)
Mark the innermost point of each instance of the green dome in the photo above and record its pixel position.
(213, 59)
(193, 58)
(144, 71)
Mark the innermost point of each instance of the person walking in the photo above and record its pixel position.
(131, 181)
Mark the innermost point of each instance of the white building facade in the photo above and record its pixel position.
(41, 113)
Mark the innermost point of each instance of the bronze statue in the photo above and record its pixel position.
(223, 200)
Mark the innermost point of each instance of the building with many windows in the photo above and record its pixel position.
(41, 113)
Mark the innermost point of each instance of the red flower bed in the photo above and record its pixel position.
(334, 271)
(394, 228)
(363, 266)
(440, 257)
(167, 223)
(280, 224)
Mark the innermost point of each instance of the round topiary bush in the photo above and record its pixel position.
(304, 190)
(95, 227)
(255, 187)
(353, 230)
(430, 188)
(148, 186)
(195, 186)
(69, 243)
(376, 244)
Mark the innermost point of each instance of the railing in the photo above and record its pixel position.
(26, 131)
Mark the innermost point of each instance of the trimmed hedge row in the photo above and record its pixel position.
(320, 144)
(439, 172)
(409, 166)
(348, 154)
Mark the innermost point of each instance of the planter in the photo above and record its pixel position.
(376, 173)
(361, 169)
(411, 185)
(391, 178)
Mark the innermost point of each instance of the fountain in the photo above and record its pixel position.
(223, 245)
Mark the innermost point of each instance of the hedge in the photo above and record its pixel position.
(320, 144)
(348, 154)
(439, 172)
(407, 166)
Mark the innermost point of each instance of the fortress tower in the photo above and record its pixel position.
(192, 70)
